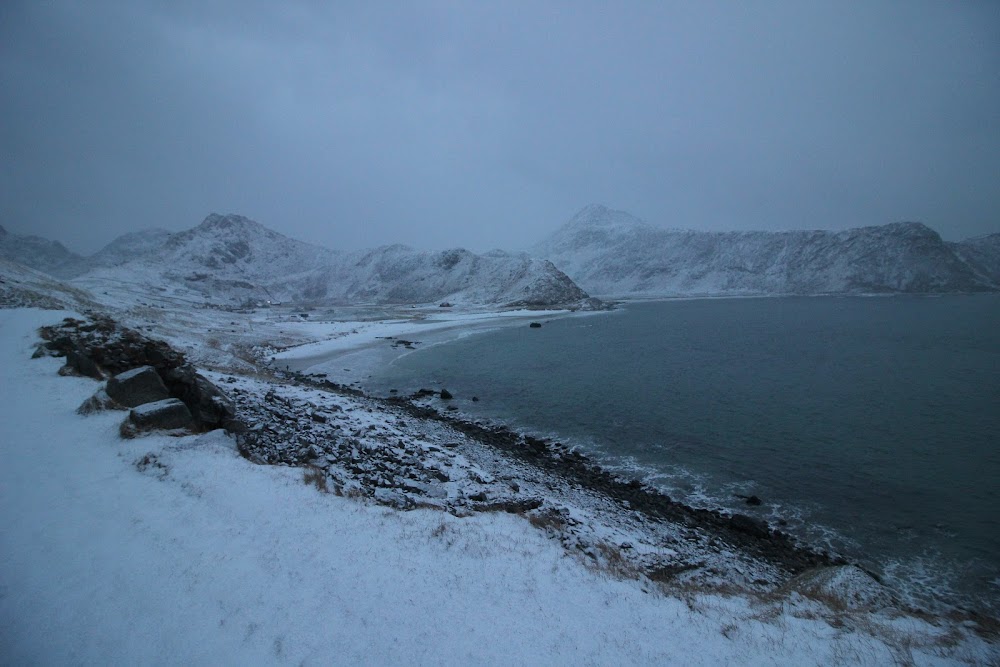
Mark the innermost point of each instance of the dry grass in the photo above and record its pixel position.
(316, 477)
(550, 521)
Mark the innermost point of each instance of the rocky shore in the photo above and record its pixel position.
(411, 452)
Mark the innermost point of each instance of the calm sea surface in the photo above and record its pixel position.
(870, 425)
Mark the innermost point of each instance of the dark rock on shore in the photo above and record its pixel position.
(102, 346)
(750, 526)
(168, 414)
(753, 501)
(208, 405)
(99, 402)
(78, 361)
(137, 386)
(535, 325)
(446, 395)
(740, 531)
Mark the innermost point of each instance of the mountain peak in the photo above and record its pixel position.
(600, 215)
(230, 221)
(911, 229)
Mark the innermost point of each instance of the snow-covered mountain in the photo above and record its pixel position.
(398, 274)
(610, 252)
(982, 253)
(233, 259)
(127, 247)
(40, 254)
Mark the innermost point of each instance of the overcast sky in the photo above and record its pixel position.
(488, 124)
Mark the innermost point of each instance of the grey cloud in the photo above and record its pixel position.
(486, 124)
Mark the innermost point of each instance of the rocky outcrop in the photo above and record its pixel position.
(145, 370)
(137, 386)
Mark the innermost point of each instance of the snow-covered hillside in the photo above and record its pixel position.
(397, 274)
(610, 252)
(982, 253)
(231, 259)
(40, 254)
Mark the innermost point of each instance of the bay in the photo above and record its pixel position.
(868, 425)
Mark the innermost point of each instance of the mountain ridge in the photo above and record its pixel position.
(612, 253)
(233, 259)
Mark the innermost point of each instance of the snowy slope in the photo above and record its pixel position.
(982, 253)
(175, 550)
(398, 274)
(21, 286)
(128, 247)
(611, 252)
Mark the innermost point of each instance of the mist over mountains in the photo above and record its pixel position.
(232, 259)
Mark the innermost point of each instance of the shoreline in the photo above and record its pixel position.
(364, 336)
(273, 554)
(601, 478)
(726, 546)
(373, 345)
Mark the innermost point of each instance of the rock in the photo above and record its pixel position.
(41, 351)
(425, 489)
(99, 402)
(754, 501)
(391, 498)
(446, 395)
(445, 304)
(137, 386)
(78, 361)
(512, 506)
(475, 399)
(843, 587)
(167, 414)
(745, 524)
(535, 325)
(208, 405)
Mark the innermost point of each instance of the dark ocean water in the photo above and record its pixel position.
(870, 425)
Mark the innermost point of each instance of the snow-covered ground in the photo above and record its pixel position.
(175, 550)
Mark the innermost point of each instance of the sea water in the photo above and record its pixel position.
(869, 426)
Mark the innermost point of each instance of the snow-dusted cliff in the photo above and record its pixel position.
(234, 259)
(610, 252)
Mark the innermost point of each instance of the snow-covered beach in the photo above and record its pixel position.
(178, 550)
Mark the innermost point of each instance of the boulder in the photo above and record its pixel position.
(843, 587)
(446, 395)
(535, 325)
(208, 405)
(99, 402)
(137, 386)
(167, 414)
(79, 362)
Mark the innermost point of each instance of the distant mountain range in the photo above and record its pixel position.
(611, 253)
(232, 259)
